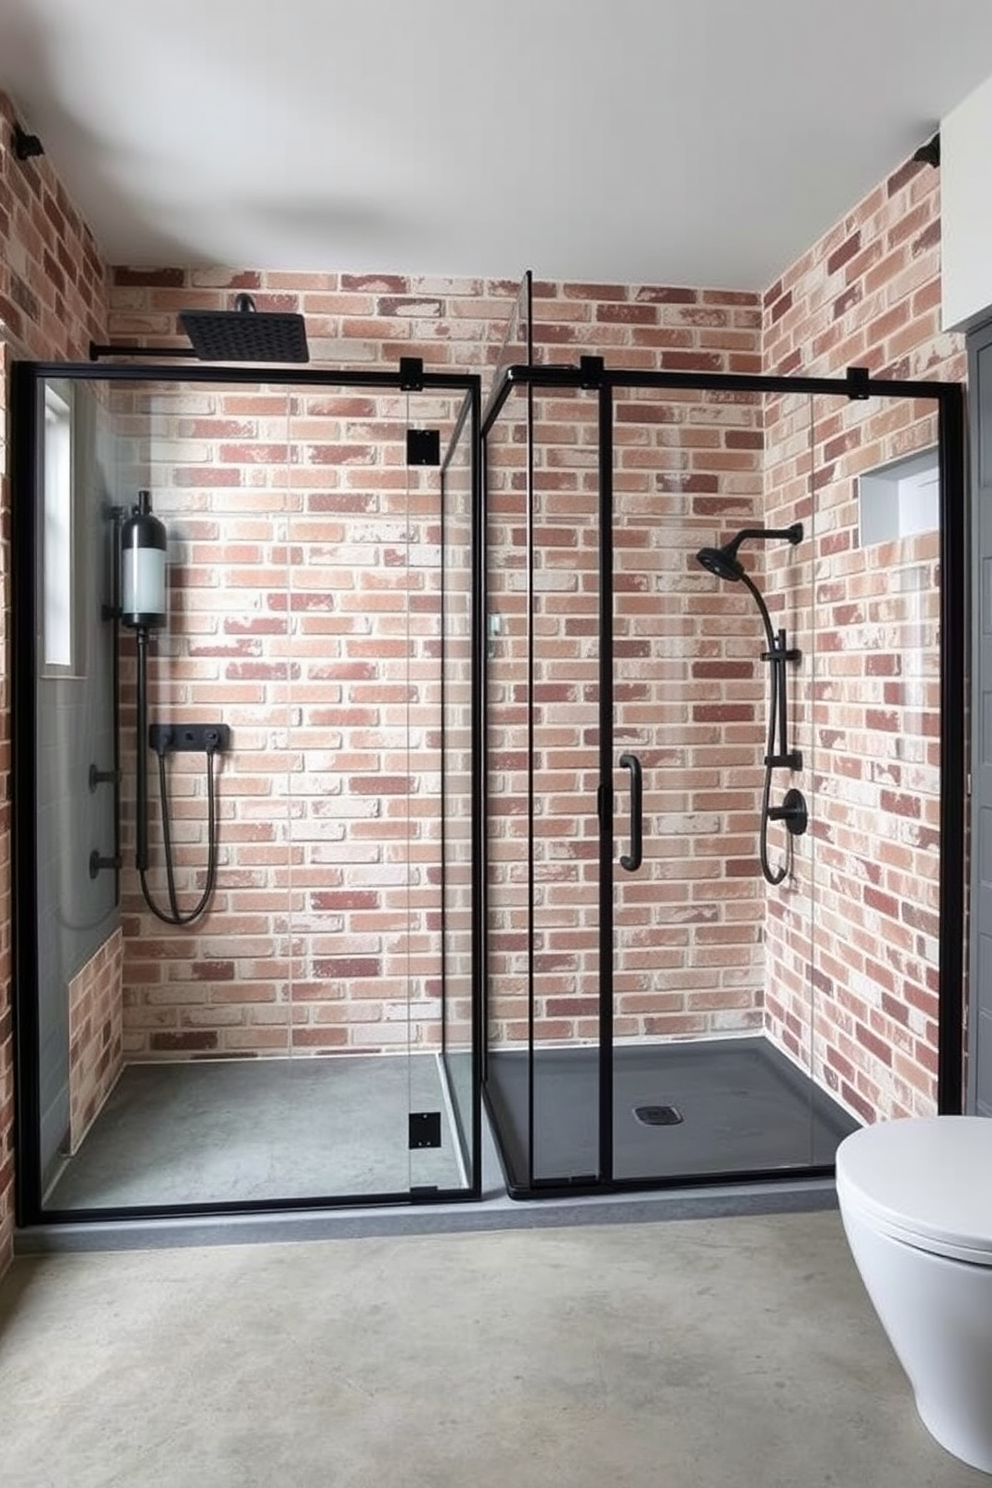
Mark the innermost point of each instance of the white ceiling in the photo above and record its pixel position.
(703, 142)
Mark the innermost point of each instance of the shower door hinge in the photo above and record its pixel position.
(425, 1129)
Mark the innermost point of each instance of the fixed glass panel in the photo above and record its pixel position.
(542, 633)
(517, 346)
(565, 737)
(257, 762)
(74, 753)
(877, 775)
(458, 636)
(508, 811)
(174, 1016)
(436, 1158)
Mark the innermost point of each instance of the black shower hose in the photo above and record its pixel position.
(175, 916)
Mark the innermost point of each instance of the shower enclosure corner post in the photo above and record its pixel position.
(25, 391)
(954, 608)
(605, 794)
(531, 834)
(480, 920)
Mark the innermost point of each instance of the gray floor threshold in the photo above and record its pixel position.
(494, 1211)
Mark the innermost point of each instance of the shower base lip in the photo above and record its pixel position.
(497, 1210)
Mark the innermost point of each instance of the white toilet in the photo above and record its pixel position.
(915, 1197)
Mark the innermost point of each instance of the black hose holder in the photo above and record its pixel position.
(792, 812)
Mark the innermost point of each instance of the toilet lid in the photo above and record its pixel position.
(926, 1180)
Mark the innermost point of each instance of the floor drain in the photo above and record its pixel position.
(658, 1115)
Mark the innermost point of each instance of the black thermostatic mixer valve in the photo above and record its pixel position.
(194, 738)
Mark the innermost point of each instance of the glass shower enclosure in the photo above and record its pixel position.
(245, 814)
(724, 770)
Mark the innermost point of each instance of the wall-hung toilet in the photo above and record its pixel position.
(915, 1197)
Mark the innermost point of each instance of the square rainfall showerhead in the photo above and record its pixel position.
(246, 335)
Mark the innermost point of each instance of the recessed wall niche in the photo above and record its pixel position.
(900, 498)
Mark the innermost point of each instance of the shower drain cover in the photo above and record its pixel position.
(657, 1115)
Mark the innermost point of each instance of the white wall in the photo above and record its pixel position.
(966, 210)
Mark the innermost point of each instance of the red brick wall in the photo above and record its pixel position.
(305, 614)
(867, 295)
(95, 1043)
(687, 696)
(347, 470)
(53, 301)
(855, 938)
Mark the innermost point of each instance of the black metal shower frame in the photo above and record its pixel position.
(26, 381)
(590, 374)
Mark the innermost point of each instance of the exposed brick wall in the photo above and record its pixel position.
(96, 1008)
(341, 459)
(855, 938)
(687, 696)
(53, 301)
(305, 614)
(865, 295)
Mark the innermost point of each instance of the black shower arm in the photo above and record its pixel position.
(767, 534)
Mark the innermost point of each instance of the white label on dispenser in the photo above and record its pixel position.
(143, 581)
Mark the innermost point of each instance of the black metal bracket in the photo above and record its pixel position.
(98, 863)
(592, 370)
(102, 777)
(190, 738)
(423, 446)
(858, 379)
(26, 146)
(425, 1129)
(125, 349)
(778, 658)
(929, 154)
(411, 374)
(791, 760)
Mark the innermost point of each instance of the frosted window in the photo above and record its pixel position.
(57, 540)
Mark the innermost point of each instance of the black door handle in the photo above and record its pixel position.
(632, 860)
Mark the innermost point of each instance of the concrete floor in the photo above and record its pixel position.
(219, 1131)
(724, 1351)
